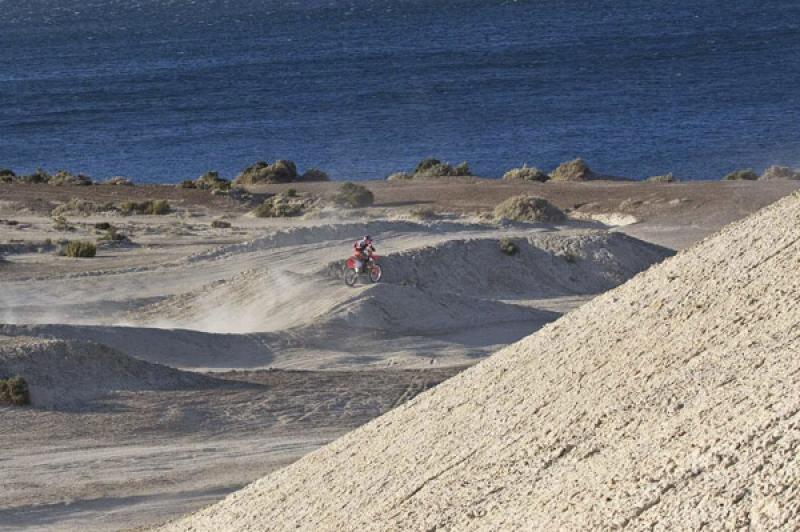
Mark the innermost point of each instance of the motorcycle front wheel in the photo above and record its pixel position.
(350, 277)
(375, 273)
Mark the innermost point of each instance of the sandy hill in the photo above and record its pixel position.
(66, 373)
(670, 403)
(436, 287)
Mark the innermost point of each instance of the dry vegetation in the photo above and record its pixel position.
(354, 196)
(79, 249)
(525, 208)
(526, 173)
(14, 391)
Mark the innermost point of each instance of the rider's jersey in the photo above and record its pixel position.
(362, 245)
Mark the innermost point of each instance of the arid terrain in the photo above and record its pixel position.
(185, 360)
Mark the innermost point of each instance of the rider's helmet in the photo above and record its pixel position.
(368, 239)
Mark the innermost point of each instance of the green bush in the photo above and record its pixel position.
(80, 249)
(354, 196)
(746, 174)
(14, 391)
(292, 193)
(220, 224)
(508, 247)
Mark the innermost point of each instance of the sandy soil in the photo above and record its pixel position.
(669, 403)
(128, 426)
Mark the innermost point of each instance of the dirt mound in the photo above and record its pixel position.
(671, 402)
(184, 349)
(546, 265)
(64, 374)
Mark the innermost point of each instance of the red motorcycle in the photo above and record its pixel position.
(369, 267)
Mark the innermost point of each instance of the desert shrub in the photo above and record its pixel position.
(118, 181)
(280, 171)
(7, 175)
(187, 183)
(60, 223)
(575, 170)
(113, 235)
(80, 249)
(436, 168)
(424, 213)
(159, 206)
(38, 177)
(82, 207)
(462, 168)
(292, 192)
(354, 196)
(315, 174)
(220, 224)
(508, 247)
(62, 177)
(666, 178)
(780, 172)
(102, 226)
(399, 176)
(570, 256)
(746, 174)
(526, 173)
(212, 181)
(14, 391)
(280, 206)
(526, 208)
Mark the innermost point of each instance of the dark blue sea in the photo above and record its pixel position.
(162, 90)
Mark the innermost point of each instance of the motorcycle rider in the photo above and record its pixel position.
(362, 251)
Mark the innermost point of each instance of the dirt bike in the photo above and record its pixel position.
(369, 267)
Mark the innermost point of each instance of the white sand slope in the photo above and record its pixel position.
(670, 403)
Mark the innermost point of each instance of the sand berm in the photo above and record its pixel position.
(669, 403)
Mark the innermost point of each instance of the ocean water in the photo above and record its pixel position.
(163, 90)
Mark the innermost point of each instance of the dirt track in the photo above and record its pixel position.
(266, 294)
(669, 403)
